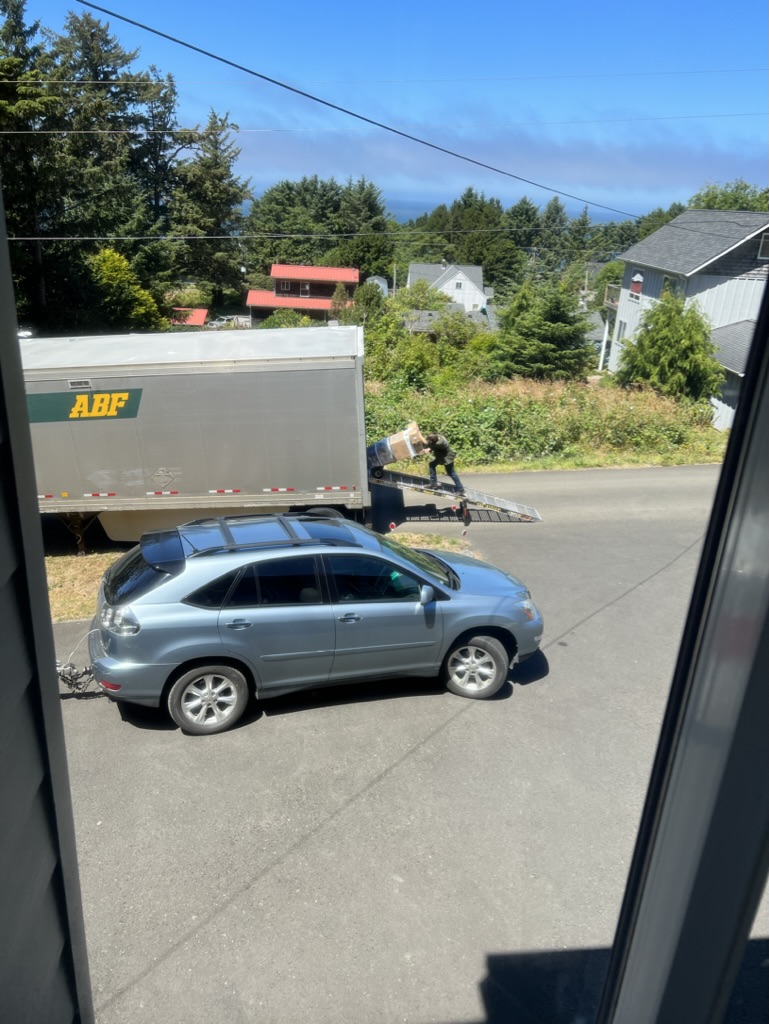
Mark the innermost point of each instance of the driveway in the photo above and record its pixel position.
(377, 854)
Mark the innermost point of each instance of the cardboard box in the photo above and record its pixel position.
(406, 444)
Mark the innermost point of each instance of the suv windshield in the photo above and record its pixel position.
(422, 560)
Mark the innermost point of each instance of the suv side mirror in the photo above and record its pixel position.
(426, 594)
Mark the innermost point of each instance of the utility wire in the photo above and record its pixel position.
(352, 113)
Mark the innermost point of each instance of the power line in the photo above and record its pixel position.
(352, 113)
(249, 131)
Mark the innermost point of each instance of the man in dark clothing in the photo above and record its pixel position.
(442, 455)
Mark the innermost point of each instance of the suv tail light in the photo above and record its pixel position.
(121, 621)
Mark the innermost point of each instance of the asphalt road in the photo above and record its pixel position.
(386, 853)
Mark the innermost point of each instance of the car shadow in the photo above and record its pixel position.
(157, 719)
(532, 670)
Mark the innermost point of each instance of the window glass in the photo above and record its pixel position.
(131, 577)
(424, 561)
(279, 581)
(324, 530)
(363, 578)
(213, 594)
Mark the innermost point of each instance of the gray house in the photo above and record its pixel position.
(716, 258)
(462, 284)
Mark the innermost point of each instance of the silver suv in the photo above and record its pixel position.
(200, 617)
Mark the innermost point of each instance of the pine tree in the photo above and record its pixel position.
(542, 336)
(673, 352)
(207, 204)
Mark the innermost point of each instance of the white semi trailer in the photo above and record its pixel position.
(144, 431)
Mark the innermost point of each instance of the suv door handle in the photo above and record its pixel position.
(238, 624)
(350, 617)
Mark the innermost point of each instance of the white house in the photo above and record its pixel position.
(716, 258)
(462, 284)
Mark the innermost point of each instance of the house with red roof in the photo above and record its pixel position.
(307, 290)
(187, 316)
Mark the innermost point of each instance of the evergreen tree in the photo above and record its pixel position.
(552, 243)
(28, 171)
(522, 222)
(302, 213)
(673, 352)
(656, 219)
(542, 336)
(361, 222)
(207, 204)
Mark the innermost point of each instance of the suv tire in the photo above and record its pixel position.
(208, 699)
(476, 668)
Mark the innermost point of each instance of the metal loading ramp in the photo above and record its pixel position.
(474, 506)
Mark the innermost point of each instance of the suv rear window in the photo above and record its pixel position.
(131, 577)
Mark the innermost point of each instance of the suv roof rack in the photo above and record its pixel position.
(292, 538)
(289, 542)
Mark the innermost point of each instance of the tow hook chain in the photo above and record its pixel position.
(77, 679)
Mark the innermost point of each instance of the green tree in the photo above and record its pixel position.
(287, 318)
(366, 305)
(121, 303)
(542, 336)
(418, 296)
(579, 238)
(319, 222)
(733, 195)
(672, 352)
(656, 219)
(553, 244)
(522, 222)
(207, 204)
(361, 225)
(31, 182)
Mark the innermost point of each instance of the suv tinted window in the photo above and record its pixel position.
(131, 577)
(324, 530)
(362, 578)
(278, 581)
(213, 594)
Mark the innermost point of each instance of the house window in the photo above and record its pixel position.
(636, 286)
(304, 290)
(285, 286)
(763, 249)
(622, 332)
(670, 284)
(458, 284)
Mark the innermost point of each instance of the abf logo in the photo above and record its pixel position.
(104, 404)
(63, 406)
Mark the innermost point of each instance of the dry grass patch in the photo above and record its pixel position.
(73, 583)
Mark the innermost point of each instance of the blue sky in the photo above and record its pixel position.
(626, 106)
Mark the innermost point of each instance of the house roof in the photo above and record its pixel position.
(269, 300)
(733, 344)
(196, 318)
(437, 274)
(596, 326)
(290, 272)
(425, 319)
(689, 242)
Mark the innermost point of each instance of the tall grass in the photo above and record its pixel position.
(530, 424)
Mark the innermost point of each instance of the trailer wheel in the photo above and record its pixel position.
(208, 699)
(476, 667)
